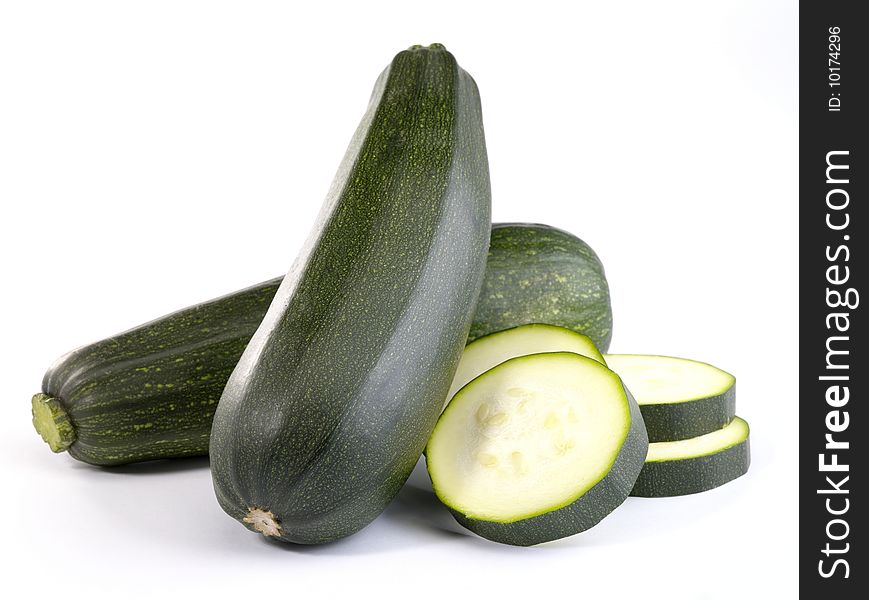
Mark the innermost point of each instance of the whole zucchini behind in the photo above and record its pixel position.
(541, 274)
(333, 400)
(97, 401)
(149, 392)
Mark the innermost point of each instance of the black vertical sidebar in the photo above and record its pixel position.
(833, 370)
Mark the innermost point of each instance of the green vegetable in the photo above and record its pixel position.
(538, 448)
(185, 392)
(697, 464)
(149, 392)
(680, 398)
(540, 274)
(334, 398)
(490, 350)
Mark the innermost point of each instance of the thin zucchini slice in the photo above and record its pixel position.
(538, 448)
(697, 464)
(679, 398)
(490, 350)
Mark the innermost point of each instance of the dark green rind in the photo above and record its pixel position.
(588, 510)
(334, 399)
(151, 392)
(692, 475)
(682, 420)
(540, 274)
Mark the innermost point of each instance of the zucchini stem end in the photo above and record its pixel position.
(52, 422)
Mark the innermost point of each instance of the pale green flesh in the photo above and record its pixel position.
(488, 351)
(711, 443)
(667, 380)
(52, 422)
(43, 420)
(528, 437)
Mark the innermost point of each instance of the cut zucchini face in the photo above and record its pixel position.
(490, 350)
(538, 448)
(680, 398)
(697, 464)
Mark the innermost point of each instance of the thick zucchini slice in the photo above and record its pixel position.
(680, 398)
(490, 350)
(538, 448)
(697, 464)
(334, 398)
(541, 274)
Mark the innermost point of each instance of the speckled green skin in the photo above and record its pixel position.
(334, 399)
(588, 510)
(692, 475)
(151, 392)
(540, 274)
(682, 420)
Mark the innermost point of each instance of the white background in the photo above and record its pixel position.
(156, 154)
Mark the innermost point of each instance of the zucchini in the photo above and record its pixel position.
(695, 465)
(108, 404)
(538, 448)
(490, 350)
(680, 398)
(149, 392)
(333, 400)
(540, 274)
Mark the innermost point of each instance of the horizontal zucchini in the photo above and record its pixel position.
(538, 448)
(149, 392)
(697, 464)
(679, 398)
(490, 350)
(333, 400)
(541, 274)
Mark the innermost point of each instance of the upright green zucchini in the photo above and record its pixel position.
(540, 274)
(334, 398)
(149, 392)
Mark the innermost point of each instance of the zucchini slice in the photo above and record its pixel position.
(490, 350)
(538, 448)
(679, 398)
(697, 464)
